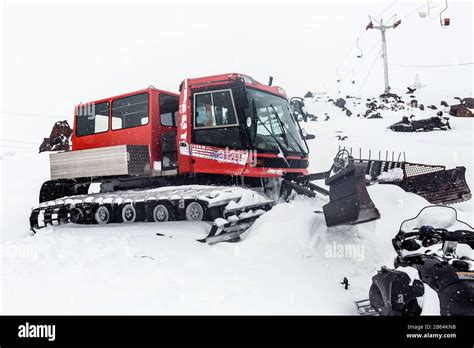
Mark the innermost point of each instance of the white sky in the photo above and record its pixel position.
(57, 54)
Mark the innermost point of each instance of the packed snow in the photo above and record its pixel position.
(289, 262)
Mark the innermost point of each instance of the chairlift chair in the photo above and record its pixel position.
(445, 22)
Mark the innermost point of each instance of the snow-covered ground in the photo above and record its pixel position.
(287, 264)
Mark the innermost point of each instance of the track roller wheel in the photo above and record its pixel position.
(102, 215)
(194, 212)
(132, 213)
(77, 215)
(161, 212)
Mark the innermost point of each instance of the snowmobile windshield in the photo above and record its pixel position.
(273, 125)
(437, 217)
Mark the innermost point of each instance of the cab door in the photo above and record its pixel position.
(216, 137)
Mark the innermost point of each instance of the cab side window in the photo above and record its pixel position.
(92, 119)
(214, 109)
(130, 111)
(215, 119)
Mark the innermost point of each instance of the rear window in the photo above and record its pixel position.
(92, 119)
(130, 111)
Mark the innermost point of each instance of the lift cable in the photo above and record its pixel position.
(377, 56)
(367, 55)
(432, 66)
(17, 147)
(18, 141)
(386, 9)
(415, 10)
(8, 113)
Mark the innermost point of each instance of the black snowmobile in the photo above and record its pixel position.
(408, 124)
(436, 249)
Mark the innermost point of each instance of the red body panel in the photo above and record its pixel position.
(148, 134)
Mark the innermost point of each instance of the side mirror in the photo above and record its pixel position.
(249, 122)
(240, 94)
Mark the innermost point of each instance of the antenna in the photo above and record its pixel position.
(383, 28)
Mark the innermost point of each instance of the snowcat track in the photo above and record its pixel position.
(219, 205)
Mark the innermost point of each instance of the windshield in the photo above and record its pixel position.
(274, 128)
(437, 217)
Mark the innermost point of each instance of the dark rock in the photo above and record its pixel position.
(340, 103)
(389, 96)
(377, 115)
(59, 139)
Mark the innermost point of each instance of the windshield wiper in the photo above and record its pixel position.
(281, 148)
(282, 125)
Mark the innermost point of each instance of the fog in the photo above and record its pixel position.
(57, 54)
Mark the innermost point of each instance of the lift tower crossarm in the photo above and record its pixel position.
(383, 28)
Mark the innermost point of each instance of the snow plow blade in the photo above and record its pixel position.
(441, 187)
(435, 183)
(350, 202)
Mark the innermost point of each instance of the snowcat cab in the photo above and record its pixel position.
(231, 124)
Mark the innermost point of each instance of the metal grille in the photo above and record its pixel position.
(376, 167)
(414, 169)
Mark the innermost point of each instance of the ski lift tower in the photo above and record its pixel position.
(383, 28)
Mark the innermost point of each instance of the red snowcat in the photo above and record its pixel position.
(224, 150)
